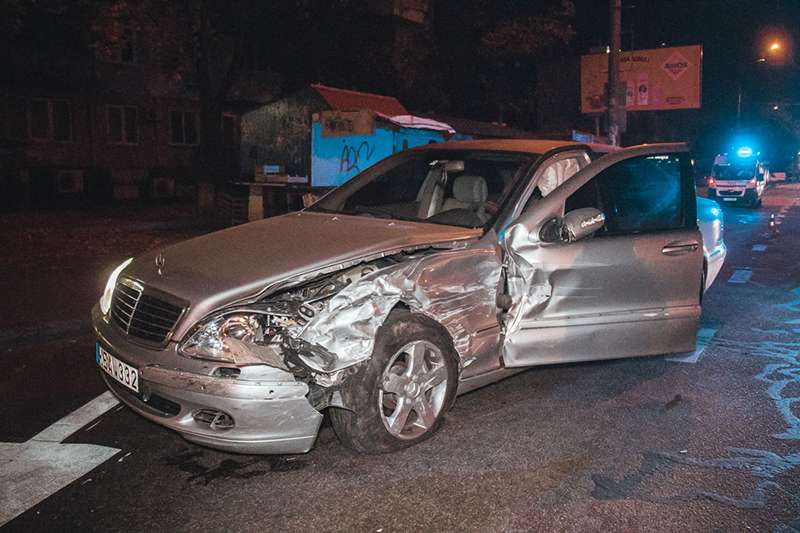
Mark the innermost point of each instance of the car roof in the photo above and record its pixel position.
(543, 146)
(530, 146)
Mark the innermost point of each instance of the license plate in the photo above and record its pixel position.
(729, 199)
(122, 372)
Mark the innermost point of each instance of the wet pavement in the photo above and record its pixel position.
(646, 444)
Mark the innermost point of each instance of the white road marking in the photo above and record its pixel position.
(759, 247)
(740, 275)
(74, 421)
(32, 471)
(704, 338)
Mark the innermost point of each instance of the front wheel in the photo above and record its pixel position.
(400, 396)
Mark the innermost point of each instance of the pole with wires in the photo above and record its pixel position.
(613, 94)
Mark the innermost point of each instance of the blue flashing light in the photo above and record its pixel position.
(744, 151)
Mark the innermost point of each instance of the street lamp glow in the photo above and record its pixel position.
(744, 151)
(775, 47)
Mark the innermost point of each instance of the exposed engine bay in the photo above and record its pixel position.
(322, 329)
(270, 331)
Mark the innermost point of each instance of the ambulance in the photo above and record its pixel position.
(738, 179)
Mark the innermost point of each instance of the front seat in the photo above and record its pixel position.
(469, 192)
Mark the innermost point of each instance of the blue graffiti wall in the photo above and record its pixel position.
(335, 160)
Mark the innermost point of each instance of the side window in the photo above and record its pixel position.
(637, 195)
(586, 196)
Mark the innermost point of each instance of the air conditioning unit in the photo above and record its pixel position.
(70, 182)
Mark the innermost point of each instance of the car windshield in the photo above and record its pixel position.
(457, 188)
(734, 172)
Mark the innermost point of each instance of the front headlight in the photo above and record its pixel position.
(218, 338)
(108, 292)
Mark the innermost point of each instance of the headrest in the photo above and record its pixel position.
(470, 189)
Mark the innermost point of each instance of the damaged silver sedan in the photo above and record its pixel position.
(437, 271)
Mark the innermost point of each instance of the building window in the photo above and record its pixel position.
(39, 119)
(123, 124)
(126, 49)
(49, 119)
(17, 118)
(183, 127)
(228, 129)
(62, 120)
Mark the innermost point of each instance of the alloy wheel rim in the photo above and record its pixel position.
(412, 389)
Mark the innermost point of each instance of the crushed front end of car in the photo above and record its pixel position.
(255, 408)
(254, 376)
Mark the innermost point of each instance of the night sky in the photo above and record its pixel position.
(734, 34)
(328, 46)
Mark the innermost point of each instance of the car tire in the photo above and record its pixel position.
(400, 396)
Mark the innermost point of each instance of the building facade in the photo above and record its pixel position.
(121, 123)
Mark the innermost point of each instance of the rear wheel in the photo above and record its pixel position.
(400, 396)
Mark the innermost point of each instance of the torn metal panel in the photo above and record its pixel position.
(457, 288)
(527, 285)
(250, 353)
(242, 264)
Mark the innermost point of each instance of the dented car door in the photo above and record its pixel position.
(631, 287)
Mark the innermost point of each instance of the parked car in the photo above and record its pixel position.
(710, 221)
(437, 271)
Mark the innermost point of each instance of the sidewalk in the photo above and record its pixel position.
(54, 264)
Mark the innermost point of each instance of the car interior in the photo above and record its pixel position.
(463, 192)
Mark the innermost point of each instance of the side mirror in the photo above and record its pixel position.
(574, 226)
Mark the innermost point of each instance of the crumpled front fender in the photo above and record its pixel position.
(456, 288)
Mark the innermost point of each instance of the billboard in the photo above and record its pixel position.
(656, 79)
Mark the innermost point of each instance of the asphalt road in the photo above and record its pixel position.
(650, 444)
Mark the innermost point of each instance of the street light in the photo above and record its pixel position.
(777, 49)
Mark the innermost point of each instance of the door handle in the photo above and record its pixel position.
(680, 247)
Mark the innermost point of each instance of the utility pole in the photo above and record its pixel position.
(613, 94)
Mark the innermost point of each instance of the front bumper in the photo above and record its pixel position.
(733, 195)
(269, 408)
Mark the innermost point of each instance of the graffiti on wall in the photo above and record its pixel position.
(354, 157)
(337, 158)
